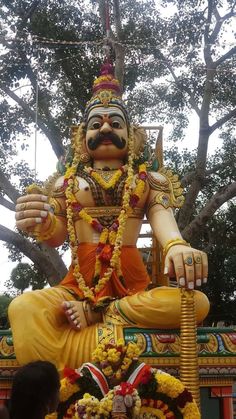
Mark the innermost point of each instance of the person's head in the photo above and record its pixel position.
(3, 412)
(35, 391)
(107, 133)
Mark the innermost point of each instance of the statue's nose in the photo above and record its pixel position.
(105, 128)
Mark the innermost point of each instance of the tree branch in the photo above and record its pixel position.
(219, 22)
(53, 137)
(102, 13)
(207, 48)
(192, 101)
(29, 12)
(48, 260)
(118, 48)
(223, 120)
(8, 188)
(226, 193)
(225, 57)
(7, 204)
(188, 178)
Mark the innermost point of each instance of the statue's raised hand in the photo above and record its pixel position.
(188, 265)
(32, 211)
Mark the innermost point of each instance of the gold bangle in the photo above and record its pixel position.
(174, 242)
(49, 232)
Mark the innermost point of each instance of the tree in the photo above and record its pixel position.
(177, 64)
(4, 303)
(23, 276)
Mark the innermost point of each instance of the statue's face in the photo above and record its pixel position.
(107, 134)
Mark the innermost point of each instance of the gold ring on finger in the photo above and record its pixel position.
(22, 206)
(188, 261)
(197, 259)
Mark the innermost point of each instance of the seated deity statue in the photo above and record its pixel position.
(98, 201)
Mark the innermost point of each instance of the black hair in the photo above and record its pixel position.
(35, 391)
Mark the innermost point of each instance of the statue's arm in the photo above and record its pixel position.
(187, 264)
(42, 216)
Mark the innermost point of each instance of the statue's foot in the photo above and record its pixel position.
(79, 314)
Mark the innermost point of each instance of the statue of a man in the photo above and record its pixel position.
(99, 203)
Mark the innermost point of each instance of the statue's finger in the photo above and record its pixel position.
(28, 223)
(179, 269)
(198, 268)
(189, 270)
(20, 215)
(33, 205)
(204, 267)
(32, 197)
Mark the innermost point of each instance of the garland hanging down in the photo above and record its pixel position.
(116, 385)
(110, 241)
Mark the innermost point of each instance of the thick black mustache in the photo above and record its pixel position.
(93, 143)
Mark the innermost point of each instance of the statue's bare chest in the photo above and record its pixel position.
(89, 193)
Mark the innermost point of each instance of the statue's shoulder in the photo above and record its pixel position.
(157, 181)
(168, 186)
(54, 185)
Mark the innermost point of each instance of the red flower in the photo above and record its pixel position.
(114, 226)
(183, 398)
(106, 253)
(97, 226)
(76, 206)
(65, 183)
(100, 246)
(71, 374)
(125, 388)
(133, 200)
(142, 175)
(146, 376)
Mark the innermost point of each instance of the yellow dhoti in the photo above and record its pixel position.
(41, 330)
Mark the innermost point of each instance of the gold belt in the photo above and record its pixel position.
(97, 212)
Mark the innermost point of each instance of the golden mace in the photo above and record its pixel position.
(189, 370)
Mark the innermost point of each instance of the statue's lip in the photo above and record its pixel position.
(106, 141)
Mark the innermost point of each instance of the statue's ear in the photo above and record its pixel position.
(84, 155)
(140, 139)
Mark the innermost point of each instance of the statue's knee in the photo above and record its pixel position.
(202, 305)
(21, 305)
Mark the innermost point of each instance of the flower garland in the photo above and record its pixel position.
(148, 393)
(91, 407)
(110, 242)
(115, 360)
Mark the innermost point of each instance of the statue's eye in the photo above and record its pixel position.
(96, 125)
(116, 124)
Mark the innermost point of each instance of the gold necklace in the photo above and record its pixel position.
(107, 179)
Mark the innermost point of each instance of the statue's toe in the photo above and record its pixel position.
(74, 312)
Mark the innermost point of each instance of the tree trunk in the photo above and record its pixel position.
(46, 259)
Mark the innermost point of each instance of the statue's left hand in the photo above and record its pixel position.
(189, 266)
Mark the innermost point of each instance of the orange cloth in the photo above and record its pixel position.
(135, 275)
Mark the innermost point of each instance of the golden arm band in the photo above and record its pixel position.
(57, 207)
(174, 242)
(46, 235)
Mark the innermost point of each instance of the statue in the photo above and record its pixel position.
(99, 203)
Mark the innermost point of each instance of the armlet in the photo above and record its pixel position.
(167, 185)
(53, 186)
(56, 207)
